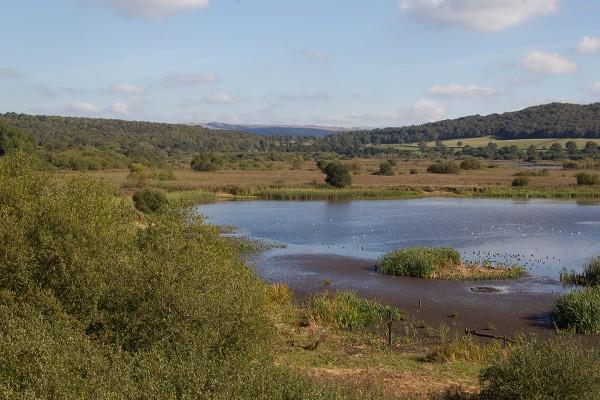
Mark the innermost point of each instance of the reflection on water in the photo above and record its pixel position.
(543, 236)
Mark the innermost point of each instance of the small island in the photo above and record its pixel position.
(442, 263)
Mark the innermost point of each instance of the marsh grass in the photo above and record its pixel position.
(589, 277)
(579, 311)
(337, 194)
(346, 310)
(193, 196)
(441, 263)
(467, 348)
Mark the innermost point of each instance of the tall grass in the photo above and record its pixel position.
(346, 310)
(589, 277)
(418, 262)
(193, 196)
(337, 194)
(579, 311)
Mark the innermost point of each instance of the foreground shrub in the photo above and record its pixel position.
(443, 168)
(346, 310)
(560, 369)
(149, 200)
(520, 181)
(585, 178)
(95, 304)
(579, 311)
(418, 262)
(470, 164)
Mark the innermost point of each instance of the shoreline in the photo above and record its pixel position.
(514, 307)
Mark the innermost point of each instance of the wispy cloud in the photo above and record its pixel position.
(84, 107)
(126, 88)
(454, 90)
(318, 55)
(589, 45)
(178, 79)
(9, 73)
(220, 98)
(548, 63)
(420, 112)
(481, 15)
(155, 9)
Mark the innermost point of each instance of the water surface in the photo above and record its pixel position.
(544, 236)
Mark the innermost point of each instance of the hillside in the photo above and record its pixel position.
(555, 120)
(278, 130)
(114, 143)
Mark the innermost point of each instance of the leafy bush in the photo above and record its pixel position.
(149, 200)
(95, 304)
(470, 164)
(337, 175)
(585, 178)
(418, 262)
(560, 369)
(443, 168)
(385, 169)
(520, 181)
(207, 162)
(579, 310)
(346, 310)
(413, 171)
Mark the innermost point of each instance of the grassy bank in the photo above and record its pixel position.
(441, 263)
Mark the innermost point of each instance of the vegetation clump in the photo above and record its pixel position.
(589, 277)
(386, 169)
(149, 200)
(440, 263)
(585, 178)
(337, 175)
(95, 304)
(520, 181)
(346, 310)
(558, 369)
(579, 311)
(207, 162)
(470, 163)
(447, 167)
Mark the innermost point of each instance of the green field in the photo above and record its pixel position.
(524, 144)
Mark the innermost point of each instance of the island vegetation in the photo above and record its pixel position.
(441, 263)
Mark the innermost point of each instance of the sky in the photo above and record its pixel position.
(351, 63)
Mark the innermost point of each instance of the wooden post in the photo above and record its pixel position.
(389, 324)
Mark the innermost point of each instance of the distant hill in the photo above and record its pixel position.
(555, 120)
(278, 130)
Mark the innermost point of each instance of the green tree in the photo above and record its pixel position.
(207, 162)
(337, 175)
(386, 169)
(12, 139)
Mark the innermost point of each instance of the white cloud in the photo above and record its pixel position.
(125, 88)
(548, 63)
(455, 90)
(155, 8)
(421, 112)
(177, 79)
(481, 15)
(9, 73)
(596, 87)
(589, 45)
(319, 55)
(220, 98)
(120, 108)
(84, 107)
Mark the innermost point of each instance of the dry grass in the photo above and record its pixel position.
(239, 182)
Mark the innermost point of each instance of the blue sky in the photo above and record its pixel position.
(323, 62)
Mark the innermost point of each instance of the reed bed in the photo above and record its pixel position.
(441, 263)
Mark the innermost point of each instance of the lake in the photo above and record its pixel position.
(544, 236)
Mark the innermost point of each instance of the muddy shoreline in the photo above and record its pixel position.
(512, 307)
